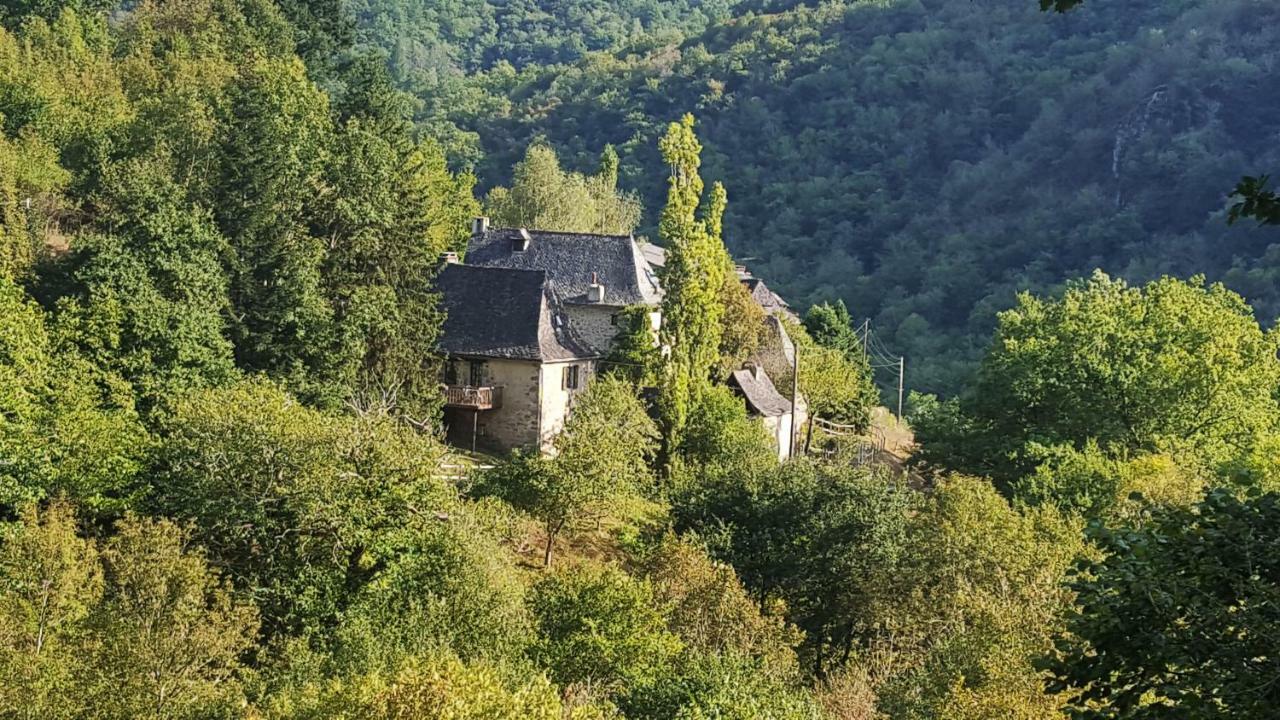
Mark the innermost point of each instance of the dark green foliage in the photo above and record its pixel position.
(432, 39)
(153, 295)
(1256, 200)
(831, 326)
(15, 12)
(635, 353)
(1178, 618)
(819, 538)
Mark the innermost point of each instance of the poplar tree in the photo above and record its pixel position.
(697, 263)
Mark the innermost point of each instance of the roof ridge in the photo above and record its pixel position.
(568, 233)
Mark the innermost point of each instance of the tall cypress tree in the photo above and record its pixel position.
(696, 266)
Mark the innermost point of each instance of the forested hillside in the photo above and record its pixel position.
(224, 490)
(920, 159)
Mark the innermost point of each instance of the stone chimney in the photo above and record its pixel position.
(449, 258)
(595, 291)
(479, 225)
(520, 243)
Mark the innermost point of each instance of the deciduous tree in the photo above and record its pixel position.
(693, 280)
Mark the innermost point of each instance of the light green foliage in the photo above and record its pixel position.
(742, 325)
(1174, 366)
(1089, 481)
(973, 606)
(50, 581)
(837, 384)
(608, 441)
(29, 176)
(723, 444)
(722, 687)
(598, 626)
(143, 628)
(602, 460)
(64, 428)
(694, 276)
(544, 197)
(171, 633)
(452, 589)
(708, 607)
(1177, 617)
(439, 686)
(296, 504)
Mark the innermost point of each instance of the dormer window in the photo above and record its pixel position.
(521, 241)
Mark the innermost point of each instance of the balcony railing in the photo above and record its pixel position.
(472, 397)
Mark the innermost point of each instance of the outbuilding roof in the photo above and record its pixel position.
(762, 397)
(572, 262)
(505, 313)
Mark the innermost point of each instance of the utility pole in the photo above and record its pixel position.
(866, 335)
(902, 367)
(795, 394)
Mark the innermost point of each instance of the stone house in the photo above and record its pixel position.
(513, 359)
(528, 317)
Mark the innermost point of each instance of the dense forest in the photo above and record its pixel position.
(223, 489)
(923, 160)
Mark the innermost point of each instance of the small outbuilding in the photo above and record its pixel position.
(765, 402)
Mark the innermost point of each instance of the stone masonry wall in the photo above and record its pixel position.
(595, 324)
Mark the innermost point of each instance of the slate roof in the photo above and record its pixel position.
(762, 396)
(570, 260)
(771, 301)
(768, 299)
(505, 313)
(655, 255)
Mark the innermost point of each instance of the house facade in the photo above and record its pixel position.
(513, 360)
(530, 314)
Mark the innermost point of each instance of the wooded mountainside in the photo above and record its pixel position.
(920, 159)
(223, 487)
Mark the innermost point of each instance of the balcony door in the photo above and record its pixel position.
(476, 378)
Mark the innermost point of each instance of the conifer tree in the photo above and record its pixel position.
(697, 263)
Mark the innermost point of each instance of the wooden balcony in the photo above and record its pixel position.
(472, 397)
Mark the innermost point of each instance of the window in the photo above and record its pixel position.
(450, 372)
(570, 379)
(477, 373)
(613, 319)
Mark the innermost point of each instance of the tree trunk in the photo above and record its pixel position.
(552, 529)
